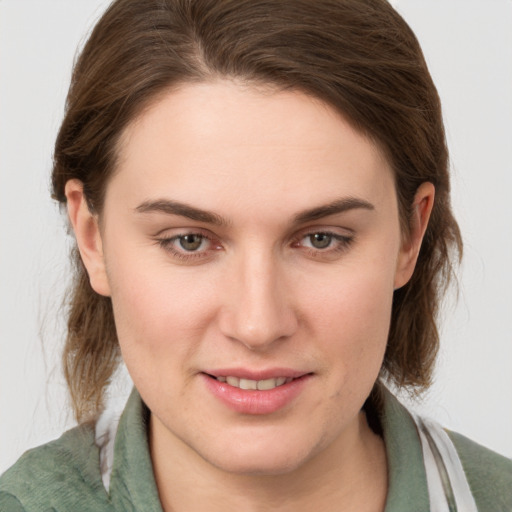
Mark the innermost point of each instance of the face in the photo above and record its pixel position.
(250, 242)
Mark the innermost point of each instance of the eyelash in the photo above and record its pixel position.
(342, 243)
(167, 245)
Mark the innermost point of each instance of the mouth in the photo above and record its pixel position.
(256, 392)
(250, 384)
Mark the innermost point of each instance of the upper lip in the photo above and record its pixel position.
(245, 373)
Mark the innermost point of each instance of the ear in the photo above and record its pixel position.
(88, 236)
(421, 210)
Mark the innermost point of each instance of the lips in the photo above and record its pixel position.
(256, 393)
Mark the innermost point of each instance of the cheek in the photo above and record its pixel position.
(160, 313)
(355, 299)
(351, 319)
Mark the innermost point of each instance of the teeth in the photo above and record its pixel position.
(262, 385)
(281, 380)
(248, 384)
(233, 381)
(269, 383)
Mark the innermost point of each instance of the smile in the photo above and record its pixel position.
(265, 393)
(260, 385)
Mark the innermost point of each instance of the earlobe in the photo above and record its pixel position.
(88, 236)
(411, 245)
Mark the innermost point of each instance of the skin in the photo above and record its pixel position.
(257, 293)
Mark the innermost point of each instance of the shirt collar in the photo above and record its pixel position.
(132, 482)
(407, 479)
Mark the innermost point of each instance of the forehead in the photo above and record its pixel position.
(224, 142)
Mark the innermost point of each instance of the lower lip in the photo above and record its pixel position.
(246, 401)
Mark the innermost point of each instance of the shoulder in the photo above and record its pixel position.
(61, 475)
(489, 474)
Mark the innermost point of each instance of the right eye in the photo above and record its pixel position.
(189, 245)
(192, 242)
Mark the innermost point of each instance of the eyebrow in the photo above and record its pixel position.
(337, 206)
(183, 210)
(171, 207)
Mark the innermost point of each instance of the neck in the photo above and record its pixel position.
(349, 475)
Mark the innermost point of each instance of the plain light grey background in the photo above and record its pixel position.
(468, 44)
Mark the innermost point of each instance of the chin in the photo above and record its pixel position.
(260, 458)
(264, 466)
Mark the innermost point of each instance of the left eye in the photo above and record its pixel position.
(324, 243)
(191, 242)
(319, 240)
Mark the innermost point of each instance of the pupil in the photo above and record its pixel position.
(191, 242)
(320, 240)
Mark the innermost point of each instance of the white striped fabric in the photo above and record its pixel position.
(447, 483)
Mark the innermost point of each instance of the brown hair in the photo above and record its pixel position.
(359, 56)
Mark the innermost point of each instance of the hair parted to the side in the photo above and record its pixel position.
(359, 56)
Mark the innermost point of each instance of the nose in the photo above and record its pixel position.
(258, 309)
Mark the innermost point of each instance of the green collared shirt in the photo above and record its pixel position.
(65, 476)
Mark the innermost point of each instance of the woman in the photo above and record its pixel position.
(260, 198)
